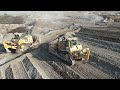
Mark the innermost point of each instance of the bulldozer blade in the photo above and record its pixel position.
(86, 54)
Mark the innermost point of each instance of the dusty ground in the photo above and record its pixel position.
(37, 63)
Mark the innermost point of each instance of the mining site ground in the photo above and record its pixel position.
(39, 63)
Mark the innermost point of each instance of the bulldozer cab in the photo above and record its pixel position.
(72, 43)
(65, 43)
(15, 39)
(62, 43)
(71, 39)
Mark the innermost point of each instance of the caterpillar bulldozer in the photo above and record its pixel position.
(20, 42)
(68, 48)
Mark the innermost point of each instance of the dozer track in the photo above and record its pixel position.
(60, 55)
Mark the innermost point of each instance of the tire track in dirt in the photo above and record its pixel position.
(22, 71)
(30, 69)
(89, 71)
(9, 73)
(43, 68)
(102, 44)
(110, 69)
(104, 51)
(106, 35)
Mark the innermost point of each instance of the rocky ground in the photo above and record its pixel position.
(37, 63)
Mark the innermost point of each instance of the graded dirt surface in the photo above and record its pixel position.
(39, 63)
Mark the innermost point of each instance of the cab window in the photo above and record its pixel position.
(73, 43)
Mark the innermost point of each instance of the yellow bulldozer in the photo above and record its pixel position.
(20, 42)
(68, 48)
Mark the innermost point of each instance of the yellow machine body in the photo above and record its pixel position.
(69, 43)
(18, 40)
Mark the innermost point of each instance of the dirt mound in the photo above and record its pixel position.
(18, 30)
(7, 19)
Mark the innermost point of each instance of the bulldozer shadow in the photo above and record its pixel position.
(12, 50)
(42, 53)
(2, 50)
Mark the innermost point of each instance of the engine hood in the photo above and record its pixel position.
(76, 48)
